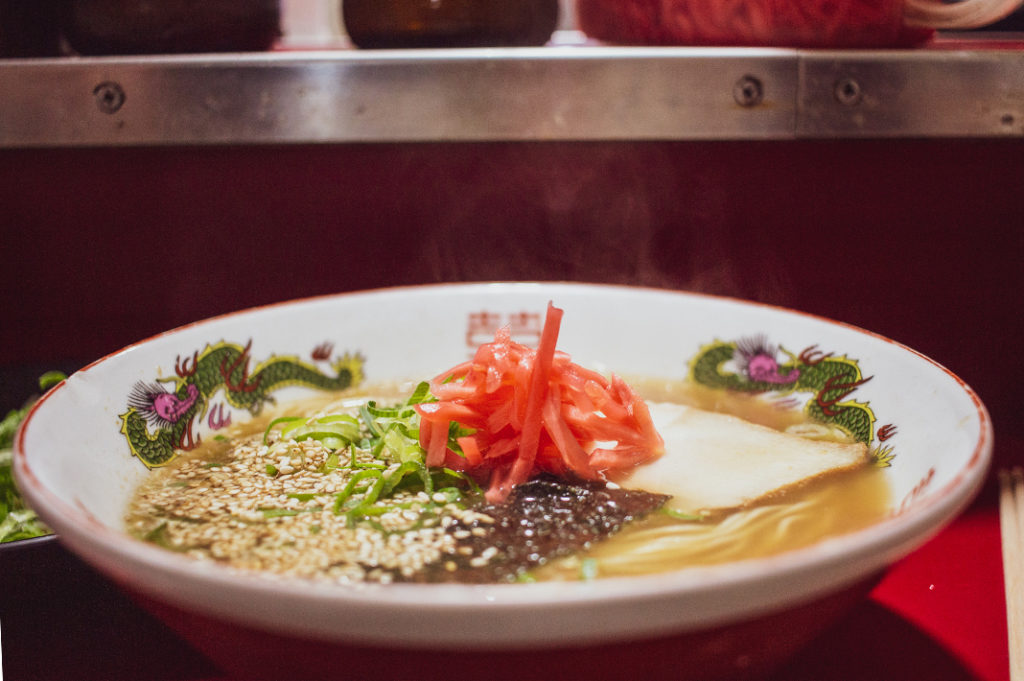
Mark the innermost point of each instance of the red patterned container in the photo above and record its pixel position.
(781, 23)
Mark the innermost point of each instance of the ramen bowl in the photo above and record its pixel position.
(84, 448)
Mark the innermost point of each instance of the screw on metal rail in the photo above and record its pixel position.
(748, 91)
(848, 92)
(109, 96)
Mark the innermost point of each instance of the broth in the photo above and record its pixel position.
(849, 502)
(302, 537)
(831, 506)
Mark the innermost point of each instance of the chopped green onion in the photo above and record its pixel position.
(350, 487)
(334, 419)
(474, 488)
(455, 431)
(421, 394)
(680, 515)
(332, 462)
(366, 503)
(278, 421)
(388, 412)
(277, 512)
(402, 471)
(367, 418)
(285, 512)
(398, 446)
(158, 535)
(451, 494)
(376, 438)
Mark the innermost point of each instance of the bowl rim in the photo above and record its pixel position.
(876, 545)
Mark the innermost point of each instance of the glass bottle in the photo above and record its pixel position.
(171, 26)
(449, 23)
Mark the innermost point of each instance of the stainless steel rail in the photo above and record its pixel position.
(518, 94)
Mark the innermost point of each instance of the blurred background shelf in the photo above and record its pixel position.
(960, 86)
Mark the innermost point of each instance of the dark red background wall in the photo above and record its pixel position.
(920, 240)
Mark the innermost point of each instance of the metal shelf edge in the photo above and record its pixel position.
(510, 94)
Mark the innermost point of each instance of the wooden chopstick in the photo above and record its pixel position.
(1011, 520)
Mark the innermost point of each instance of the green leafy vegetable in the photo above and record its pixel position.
(17, 521)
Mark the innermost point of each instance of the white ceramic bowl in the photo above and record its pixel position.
(77, 470)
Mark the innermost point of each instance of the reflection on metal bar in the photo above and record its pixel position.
(912, 94)
(517, 94)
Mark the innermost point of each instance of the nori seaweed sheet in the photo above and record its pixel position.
(542, 519)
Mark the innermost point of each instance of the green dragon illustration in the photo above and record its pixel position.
(831, 379)
(173, 413)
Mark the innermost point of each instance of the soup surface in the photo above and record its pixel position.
(300, 508)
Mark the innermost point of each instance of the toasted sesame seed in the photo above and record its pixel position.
(237, 514)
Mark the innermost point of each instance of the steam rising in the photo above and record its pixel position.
(597, 213)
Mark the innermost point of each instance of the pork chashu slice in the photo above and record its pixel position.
(716, 462)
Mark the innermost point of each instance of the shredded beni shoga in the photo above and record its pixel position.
(497, 421)
(516, 412)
